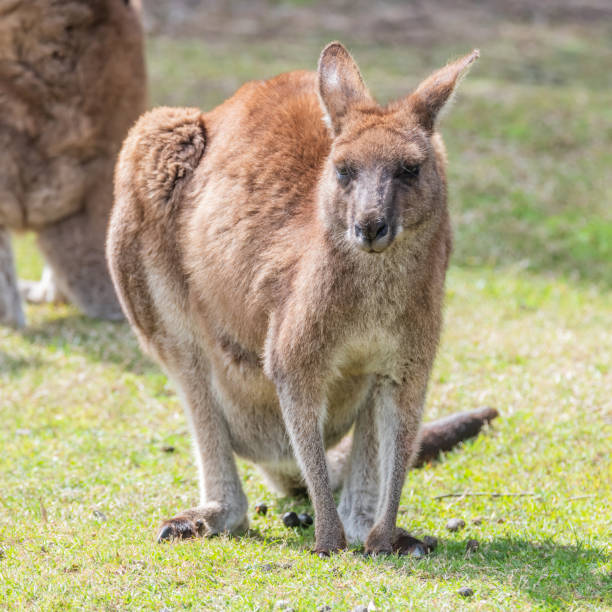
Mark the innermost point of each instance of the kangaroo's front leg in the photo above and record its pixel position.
(398, 410)
(223, 504)
(303, 414)
(11, 312)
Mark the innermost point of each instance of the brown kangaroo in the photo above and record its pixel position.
(283, 258)
(72, 81)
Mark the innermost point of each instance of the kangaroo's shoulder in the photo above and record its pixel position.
(262, 106)
(280, 88)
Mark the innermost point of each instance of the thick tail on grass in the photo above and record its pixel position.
(444, 434)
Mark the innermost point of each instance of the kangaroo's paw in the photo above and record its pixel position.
(327, 548)
(329, 538)
(179, 527)
(207, 520)
(405, 544)
(40, 292)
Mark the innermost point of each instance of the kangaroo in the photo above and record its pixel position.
(283, 258)
(72, 81)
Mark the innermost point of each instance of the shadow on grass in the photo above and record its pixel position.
(549, 573)
(97, 341)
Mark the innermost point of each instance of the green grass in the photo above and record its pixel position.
(84, 480)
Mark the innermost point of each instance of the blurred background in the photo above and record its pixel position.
(530, 134)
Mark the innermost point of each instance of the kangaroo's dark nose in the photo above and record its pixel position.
(371, 230)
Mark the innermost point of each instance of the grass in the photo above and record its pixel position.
(85, 479)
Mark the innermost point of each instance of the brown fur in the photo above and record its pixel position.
(290, 300)
(72, 81)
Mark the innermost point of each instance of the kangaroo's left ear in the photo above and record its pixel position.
(340, 85)
(434, 92)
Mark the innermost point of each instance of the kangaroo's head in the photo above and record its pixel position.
(384, 177)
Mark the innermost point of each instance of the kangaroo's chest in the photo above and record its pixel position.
(365, 353)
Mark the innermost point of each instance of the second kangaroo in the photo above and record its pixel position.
(283, 258)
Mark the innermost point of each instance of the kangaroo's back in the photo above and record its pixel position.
(232, 191)
(255, 199)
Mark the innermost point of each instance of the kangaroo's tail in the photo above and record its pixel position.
(444, 434)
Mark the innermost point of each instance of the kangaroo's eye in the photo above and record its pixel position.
(408, 172)
(345, 173)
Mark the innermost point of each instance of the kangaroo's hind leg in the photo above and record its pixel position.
(397, 410)
(74, 248)
(359, 498)
(223, 504)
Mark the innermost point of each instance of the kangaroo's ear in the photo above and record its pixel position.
(434, 92)
(340, 85)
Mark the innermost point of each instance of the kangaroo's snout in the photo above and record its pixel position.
(372, 234)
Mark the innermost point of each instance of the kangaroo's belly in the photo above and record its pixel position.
(252, 411)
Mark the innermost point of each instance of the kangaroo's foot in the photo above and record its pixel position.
(405, 544)
(401, 543)
(207, 520)
(329, 538)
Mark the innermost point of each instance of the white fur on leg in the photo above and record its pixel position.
(359, 497)
(43, 291)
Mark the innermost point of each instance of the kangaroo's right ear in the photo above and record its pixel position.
(433, 93)
(340, 85)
